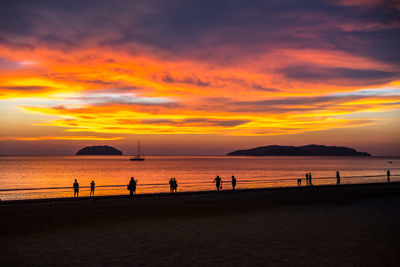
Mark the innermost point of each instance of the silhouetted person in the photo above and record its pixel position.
(307, 181)
(299, 182)
(388, 175)
(233, 182)
(309, 178)
(175, 185)
(132, 187)
(337, 177)
(76, 188)
(218, 183)
(171, 185)
(92, 188)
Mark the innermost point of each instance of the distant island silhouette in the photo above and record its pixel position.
(99, 150)
(309, 150)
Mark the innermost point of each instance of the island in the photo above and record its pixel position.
(309, 150)
(99, 150)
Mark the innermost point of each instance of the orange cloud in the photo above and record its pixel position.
(70, 137)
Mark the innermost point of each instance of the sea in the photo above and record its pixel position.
(32, 177)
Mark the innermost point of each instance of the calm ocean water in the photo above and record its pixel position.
(193, 173)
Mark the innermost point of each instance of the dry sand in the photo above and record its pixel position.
(352, 225)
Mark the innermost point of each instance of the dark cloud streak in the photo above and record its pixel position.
(339, 75)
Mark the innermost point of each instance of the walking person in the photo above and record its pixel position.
(388, 175)
(132, 186)
(299, 182)
(76, 188)
(307, 181)
(309, 178)
(218, 182)
(92, 184)
(233, 183)
(337, 177)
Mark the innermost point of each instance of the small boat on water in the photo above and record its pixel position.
(140, 156)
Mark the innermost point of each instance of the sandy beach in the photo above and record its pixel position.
(345, 225)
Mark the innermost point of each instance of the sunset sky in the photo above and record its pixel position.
(199, 77)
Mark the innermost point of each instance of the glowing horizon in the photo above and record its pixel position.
(212, 74)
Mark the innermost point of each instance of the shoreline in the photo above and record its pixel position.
(237, 192)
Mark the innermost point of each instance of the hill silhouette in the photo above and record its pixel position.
(99, 150)
(309, 150)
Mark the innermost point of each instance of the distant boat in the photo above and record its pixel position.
(390, 161)
(139, 157)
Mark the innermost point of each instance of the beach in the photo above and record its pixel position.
(343, 225)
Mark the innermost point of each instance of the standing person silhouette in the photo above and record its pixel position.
(307, 181)
(233, 182)
(132, 187)
(175, 185)
(171, 185)
(76, 188)
(309, 178)
(218, 182)
(388, 175)
(92, 184)
(337, 177)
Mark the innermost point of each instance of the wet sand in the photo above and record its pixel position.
(345, 225)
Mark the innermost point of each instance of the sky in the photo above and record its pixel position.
(198, 77)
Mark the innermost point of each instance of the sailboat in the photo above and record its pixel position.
(138, 157)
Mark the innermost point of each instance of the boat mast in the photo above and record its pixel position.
(138, 149)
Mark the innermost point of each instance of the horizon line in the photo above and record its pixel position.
(191, 155)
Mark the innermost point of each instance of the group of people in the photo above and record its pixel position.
(76, 188)
(218, 182)
(173, 184)
(309, 178)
